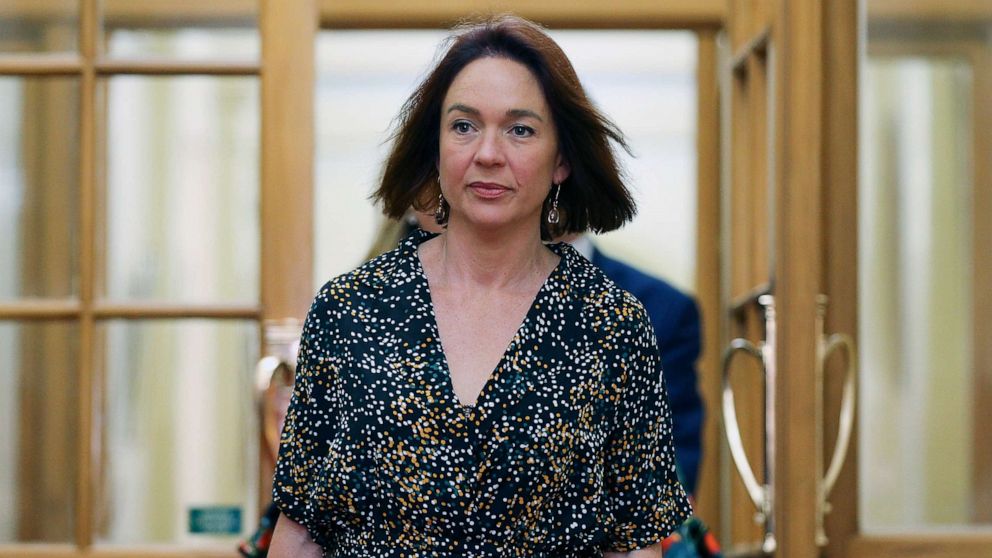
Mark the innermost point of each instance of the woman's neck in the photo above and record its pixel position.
(464, 256)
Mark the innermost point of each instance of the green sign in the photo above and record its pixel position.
(215, 520)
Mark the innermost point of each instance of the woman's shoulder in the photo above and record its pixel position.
(395, 266)
(597, 292)
(366, 283)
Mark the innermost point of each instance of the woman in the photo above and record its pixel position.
(476, 392)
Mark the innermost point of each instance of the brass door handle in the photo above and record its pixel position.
(760, 494)
(827, 345)
(847, 416)
(755, 490)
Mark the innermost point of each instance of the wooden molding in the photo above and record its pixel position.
(176, 67)
(840, 205)
(40, 309)
(654, 14)
(68, 64)
(90, 381)
(395, 13)
(747, 266)
(799, 184)
(931, 545)
(40, 64)
(708, 272)
(938, 10)
(147, 310)
(756, 46)
(289, 28)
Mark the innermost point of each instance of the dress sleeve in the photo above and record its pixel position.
(644, 495)
(310, 420)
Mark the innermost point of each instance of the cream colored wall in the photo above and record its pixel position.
(362, 80)
(646, 82)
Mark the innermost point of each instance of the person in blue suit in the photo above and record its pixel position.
(675, 318)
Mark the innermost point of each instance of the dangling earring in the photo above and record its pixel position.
(553, 215)
(440, 212)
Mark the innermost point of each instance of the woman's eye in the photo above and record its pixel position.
(522, 131)
(462, 127)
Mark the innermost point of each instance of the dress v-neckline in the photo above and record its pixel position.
(435, 331)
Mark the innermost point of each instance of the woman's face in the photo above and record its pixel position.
(499, 150)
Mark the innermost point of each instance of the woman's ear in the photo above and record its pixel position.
(562, 170)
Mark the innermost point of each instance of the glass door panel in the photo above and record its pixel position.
(924, 208)
(39, 433)
(183, 189)
(187, 31)
(39, 187)
(39, 26)
(181, 450)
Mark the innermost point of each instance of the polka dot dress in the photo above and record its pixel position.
(567, 453)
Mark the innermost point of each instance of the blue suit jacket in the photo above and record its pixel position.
(675, 318)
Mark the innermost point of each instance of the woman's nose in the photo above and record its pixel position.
(490, 151)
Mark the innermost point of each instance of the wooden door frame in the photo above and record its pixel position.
(814, 51)
(798, 39)
(817, 192)
(750, 100)
(286, 71)
(944, 545)
(557, 14)
(839, 246)
(709, 262)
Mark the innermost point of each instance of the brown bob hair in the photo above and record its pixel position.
(593, 197)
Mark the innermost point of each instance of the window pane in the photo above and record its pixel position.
(644, 80)
(186, 31)
(39, 187)
(39, 417)
(30, 26)
(920, 386)
(181, 436)
(183, 189)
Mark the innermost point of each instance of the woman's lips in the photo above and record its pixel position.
(488, 190)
